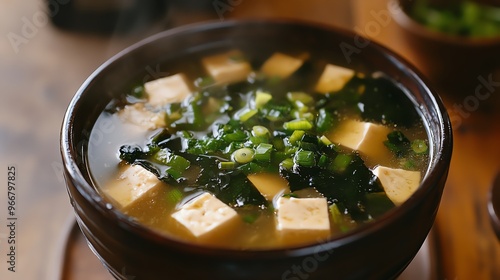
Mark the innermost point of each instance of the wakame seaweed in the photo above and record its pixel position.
(221, 134)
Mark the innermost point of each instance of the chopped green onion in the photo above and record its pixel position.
(302, 97)
(177, 162)
(296, 135)
(259, 131)
(305, 158)
(278, 144)
(323, 161)
(342, 220)
(237, 136)
(233, 146)
(261, 98)
(287, 164)
(300, 108)
(298, 114)
(263, 152)
(223, 165)
(291, 150)
(243, 155)
(175, 173)
(340, 163)
(297, 125)
(257, 140)
(419, 146)
(325, 140)
(245, 114)
(279, 156)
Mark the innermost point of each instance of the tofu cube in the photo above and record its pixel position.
(281, 65)
(365, 137)
(227, 67)
(171, 89)
(302, 214)
(333, 78)
(269, 185)
(205, 215)
(132, 184)
(399, 184)
(139, 116)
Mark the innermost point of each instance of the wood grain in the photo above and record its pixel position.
(467, 245)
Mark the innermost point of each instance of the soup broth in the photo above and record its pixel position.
(242, 153)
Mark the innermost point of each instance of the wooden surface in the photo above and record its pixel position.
(39, 77)
(467, 245)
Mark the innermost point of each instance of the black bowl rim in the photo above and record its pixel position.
(410, 25)
(433, 176)
(493, 204)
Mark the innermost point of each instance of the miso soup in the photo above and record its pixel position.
(245, 153)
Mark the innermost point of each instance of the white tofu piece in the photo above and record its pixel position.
(171, 89)
(302, 214)
(365, 137)
(225, 69)
(269, 185)
(333, 78)
(205, 215)
(138, 115)
(281, 65)
(132, 184)
(399, 184)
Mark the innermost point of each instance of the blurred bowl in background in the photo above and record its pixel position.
(106, 16)
(450, 61)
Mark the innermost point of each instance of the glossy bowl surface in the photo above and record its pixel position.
(380, 250)
(494, 205)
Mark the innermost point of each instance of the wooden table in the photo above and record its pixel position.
(39, 80)
(468, 248)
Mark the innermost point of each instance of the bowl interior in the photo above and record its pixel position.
(163, 52)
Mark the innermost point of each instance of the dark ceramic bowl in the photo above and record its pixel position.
(494, 205)
(452, 62)
(380, 250)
